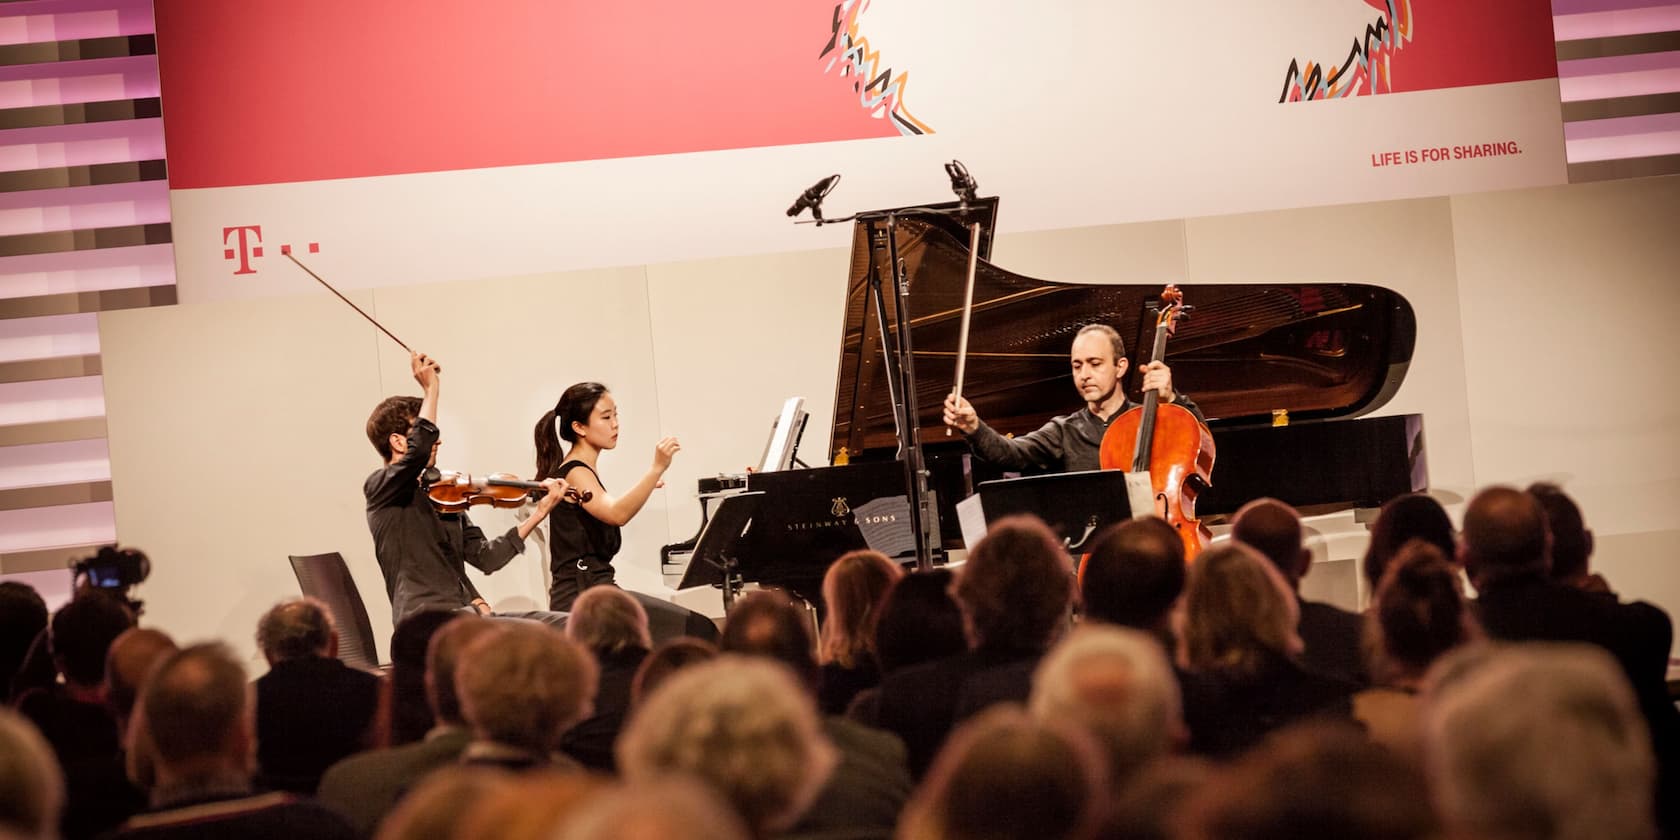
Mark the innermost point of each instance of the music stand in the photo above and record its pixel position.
(714, 562)
(1075, 505)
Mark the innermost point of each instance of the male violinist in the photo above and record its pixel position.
(1071, 442)
(421, 552)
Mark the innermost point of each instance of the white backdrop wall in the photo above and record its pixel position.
(236, 426)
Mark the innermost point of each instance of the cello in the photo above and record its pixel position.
(1167, 441)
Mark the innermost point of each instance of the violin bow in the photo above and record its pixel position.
(347, 301)
(967, 310)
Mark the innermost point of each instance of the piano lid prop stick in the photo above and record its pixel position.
(967, 310)
(347, 301)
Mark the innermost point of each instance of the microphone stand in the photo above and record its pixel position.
(901, 390)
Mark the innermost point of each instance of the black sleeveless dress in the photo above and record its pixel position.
(580, 548)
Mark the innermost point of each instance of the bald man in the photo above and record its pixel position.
(1331, 634)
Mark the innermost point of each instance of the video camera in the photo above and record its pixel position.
(114, 571)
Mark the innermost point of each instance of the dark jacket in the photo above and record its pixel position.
(311, 713)
(365, 787)
(1230, 710)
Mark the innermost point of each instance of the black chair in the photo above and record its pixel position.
(325, 576)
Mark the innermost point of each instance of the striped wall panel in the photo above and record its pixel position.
(84, 227)
(1619, 78)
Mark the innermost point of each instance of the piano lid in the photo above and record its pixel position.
(1317, 350)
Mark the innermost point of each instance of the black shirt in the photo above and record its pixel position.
(1069, 443)
(580, 547)
(421, 552)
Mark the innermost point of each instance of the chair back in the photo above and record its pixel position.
(325, 576)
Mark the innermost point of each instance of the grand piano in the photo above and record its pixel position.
(1283, 373)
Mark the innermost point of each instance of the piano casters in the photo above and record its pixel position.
(1167, 441)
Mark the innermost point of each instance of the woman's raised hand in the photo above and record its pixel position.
(663, 452)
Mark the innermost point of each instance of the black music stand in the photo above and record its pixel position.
(714, 562)
(1076, 505)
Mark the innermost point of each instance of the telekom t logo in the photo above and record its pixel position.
(250, 246)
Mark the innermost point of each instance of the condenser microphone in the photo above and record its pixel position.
(813, 197)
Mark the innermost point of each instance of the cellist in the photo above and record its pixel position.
(1070, 442)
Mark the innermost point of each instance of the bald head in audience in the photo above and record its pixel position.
(608, 620)
(131, 658)
(768, 623)
(1117, 684)
(1539, 741)
(195, 716)
(31, 786)
(1504, 536)
(297, 629)
(443, 658)
(1274, 529)
(668, 808)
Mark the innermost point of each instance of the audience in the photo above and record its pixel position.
(1572, 541)
(365, 787)
(1015, 593)
(132, 656)
(410, 709)
(1239, 638)
(1314, 780)
(612, 626)
(671, 656)
(871, 782)
(853, 590)
(100, 794)
(1542, 742)
(1507, 551)
(920, 622)
(436, 809)
(23, 615)
(194, 716)
(530, 806)
(740, 725)
(1004, 775)
(1151, 805)
(1133, 577)
(521, 687)
(31, 789)
(72, 715)
(1414, 516)
(312, 709)
(669, 808)
(1419, 614)
(1117, 685)
(1331, 636)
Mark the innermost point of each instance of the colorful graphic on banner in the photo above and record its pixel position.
(880, 91)
(1460, 44)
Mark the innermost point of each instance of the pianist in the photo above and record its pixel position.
(1070, 443)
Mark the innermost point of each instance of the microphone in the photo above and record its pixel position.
(813, 196)
(962, 183)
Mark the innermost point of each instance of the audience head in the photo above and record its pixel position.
(82, 633)
(607, 620)
(195, 716)
(443, 660)
(1540, 741)
(23, 615)
(1419, 612)
(853, 589)
(1238, 611)
(433, 809)
(741, 725)
(667, 808)
(671, 656)
(1116, 683)
(1274, 529)
(1414, 516)
(412, 715)
(31, 785)
(301, 628)
(1005, 774)
(920, 621)
(524, 685)
(131, 658)
(1151, 804)
(1314, 780)
(1572, 541)
(1504, 536)
(768, 623)
(1017, 586)
(530, 806)
(1134, 575)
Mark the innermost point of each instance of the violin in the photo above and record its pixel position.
(1167, 441)
(453, 492)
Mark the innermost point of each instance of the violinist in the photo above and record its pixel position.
(1071, 442)
(584, 535)
(423, 553)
